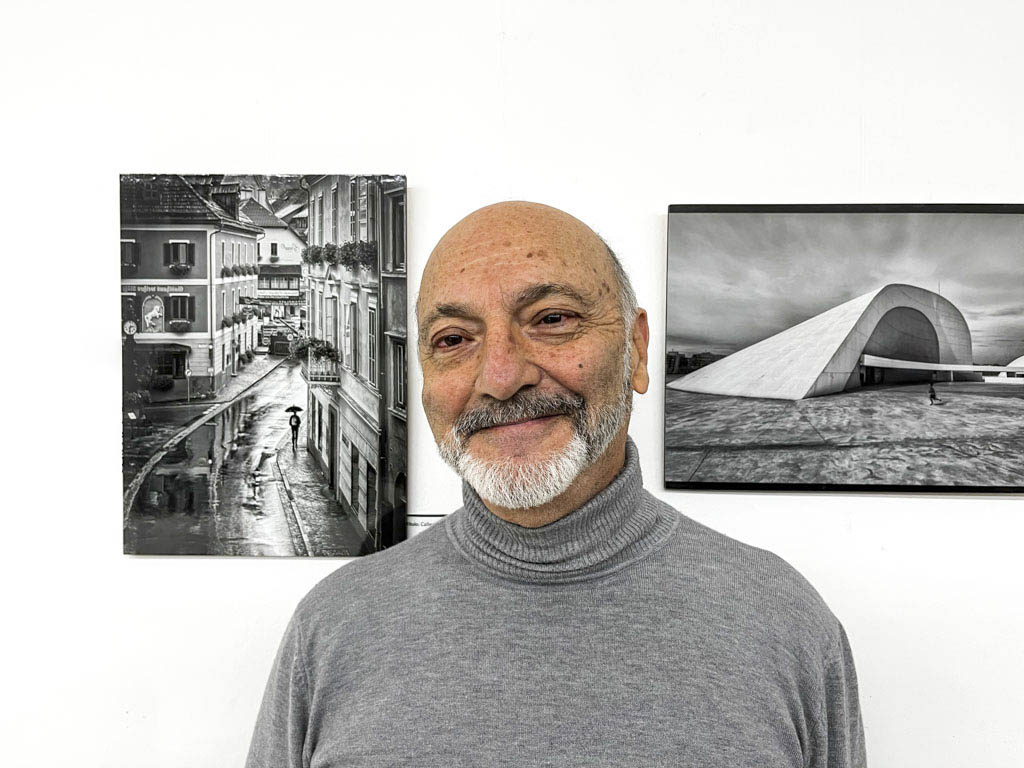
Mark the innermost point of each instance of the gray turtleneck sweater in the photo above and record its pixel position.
(624, 634)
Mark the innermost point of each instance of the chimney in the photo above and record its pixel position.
(226, 196)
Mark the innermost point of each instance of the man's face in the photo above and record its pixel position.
(523, 346)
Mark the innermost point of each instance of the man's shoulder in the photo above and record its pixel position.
(746, 578)
(363, 584)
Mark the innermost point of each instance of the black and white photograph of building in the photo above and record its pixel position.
(263, 333)
(845, 347)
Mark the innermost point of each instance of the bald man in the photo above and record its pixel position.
(563, 616)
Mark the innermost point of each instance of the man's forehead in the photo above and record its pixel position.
(517, 245)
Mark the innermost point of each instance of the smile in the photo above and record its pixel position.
(526, 424)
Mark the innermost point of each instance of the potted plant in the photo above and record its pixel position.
(238, 317)
(236, 270)
(225, 272)
(357, 254)
(180, 326)
(227, 322)
(178, 269)
(274, 259)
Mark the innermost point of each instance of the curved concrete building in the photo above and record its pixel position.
(824, 354)
(1018, 363)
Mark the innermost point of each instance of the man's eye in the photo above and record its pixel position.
(450, 340)
(552, 318)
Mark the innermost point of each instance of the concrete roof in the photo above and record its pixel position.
(821, 355)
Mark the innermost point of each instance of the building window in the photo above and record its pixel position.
(169, 364)
(273, 249)
(398, 233)
(179, 252)
(128, 307)
(129, 253)
(371, 345)
(398, 374)
(353, 205)
(181, 307)
(320, 218)
(335, 212)
(355, 337)
(371, 211)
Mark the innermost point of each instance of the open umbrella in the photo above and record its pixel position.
(292, 409)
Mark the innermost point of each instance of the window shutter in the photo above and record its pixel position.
(136, 248)
(167, 254)
(192, 308)
(192, 254)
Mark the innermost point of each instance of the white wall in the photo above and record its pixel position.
(611, 110)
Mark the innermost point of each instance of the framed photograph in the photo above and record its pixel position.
(845, 347)
(263, 364)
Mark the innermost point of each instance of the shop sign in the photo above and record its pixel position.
(155, 288)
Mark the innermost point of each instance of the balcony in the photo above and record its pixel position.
(320, 364)
(321, 371)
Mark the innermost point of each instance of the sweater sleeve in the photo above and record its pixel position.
(279, 739)
(841, 731)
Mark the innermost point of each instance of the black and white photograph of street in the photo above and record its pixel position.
(845, 347)
(263, 336)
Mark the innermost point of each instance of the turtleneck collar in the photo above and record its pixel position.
(618, 526)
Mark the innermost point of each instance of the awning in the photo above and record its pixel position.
(165, 347)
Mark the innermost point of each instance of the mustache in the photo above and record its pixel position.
(520, 407)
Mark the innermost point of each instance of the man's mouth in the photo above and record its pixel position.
(523, 422)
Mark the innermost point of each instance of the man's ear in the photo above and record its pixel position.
(641, 336)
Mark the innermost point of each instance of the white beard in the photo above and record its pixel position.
(522, 484)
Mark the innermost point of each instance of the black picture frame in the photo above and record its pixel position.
(774, 464)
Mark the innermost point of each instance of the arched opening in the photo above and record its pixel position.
(902, 334)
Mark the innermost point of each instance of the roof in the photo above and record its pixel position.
(290, 210)
(259, 215)
(292, 196)
(169, 199)
(822, 354)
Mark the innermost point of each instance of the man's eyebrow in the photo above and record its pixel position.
(542, 291)
(447, 309)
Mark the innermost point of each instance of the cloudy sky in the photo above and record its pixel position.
(737, 278)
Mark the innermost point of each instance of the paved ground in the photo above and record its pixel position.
(167, 419)
(331, 531)
(884, 436)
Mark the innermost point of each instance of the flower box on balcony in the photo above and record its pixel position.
(274, 259)
(179, 270)
(226, 272)
(239, 317)
(236, 270)
(180, 326)
(227, 322)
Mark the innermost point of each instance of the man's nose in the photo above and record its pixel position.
(505, 367)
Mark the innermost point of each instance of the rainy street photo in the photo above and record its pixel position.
(263, 340)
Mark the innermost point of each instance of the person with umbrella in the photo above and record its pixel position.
(294, 422)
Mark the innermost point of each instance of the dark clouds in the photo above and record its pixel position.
(734, 278)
